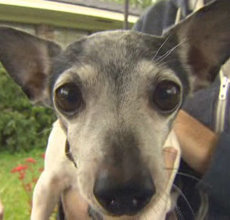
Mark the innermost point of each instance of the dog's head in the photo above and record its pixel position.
(117, 94)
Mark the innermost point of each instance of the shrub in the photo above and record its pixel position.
(22, 126)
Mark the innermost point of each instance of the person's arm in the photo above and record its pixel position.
(209, 154)
(197, 141)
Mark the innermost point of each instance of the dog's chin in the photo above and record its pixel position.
(101, 214)
(95, 215)
(104, 215)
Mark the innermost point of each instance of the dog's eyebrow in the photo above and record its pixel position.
(79, 73)
(68, 77)
(86, 72)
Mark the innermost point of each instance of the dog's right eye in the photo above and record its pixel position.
(68, 98)
(166, 96)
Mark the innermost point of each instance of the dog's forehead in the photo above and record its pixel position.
(112, 51)
(120, 41)
(114, 47)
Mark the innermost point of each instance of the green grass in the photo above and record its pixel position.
(14, 197)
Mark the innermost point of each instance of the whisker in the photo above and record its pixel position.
(183, 174)
(179, 213)
(189, 176)
(197, 179)
(161, 58)
(185, 199)
(158, 51)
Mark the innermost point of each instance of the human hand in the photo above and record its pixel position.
(196, 140)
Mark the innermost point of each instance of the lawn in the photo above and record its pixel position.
(18, 173)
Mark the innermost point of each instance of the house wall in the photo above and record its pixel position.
(63, 36)
(59, 21)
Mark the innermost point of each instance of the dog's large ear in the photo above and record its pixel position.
(28, 60)
(204, 40)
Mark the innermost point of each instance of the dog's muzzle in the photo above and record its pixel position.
(119, 197)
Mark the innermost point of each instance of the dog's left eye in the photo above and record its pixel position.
(166, 96)
(68, 98)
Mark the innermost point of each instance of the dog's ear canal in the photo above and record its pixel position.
(204, 40)
(28, 60)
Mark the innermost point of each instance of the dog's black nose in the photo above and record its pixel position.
(124, 198)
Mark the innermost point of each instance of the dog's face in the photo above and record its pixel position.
(117, 94)
(117, 104)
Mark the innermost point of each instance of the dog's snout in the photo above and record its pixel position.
(124, 198)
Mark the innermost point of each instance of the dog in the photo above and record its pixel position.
(116, 95)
